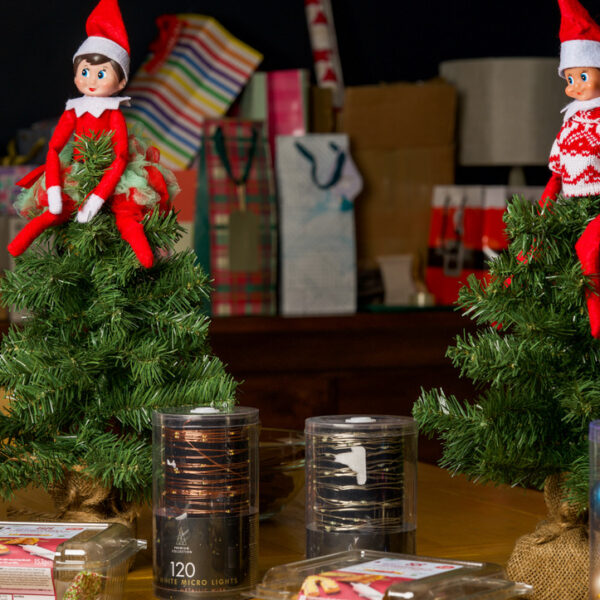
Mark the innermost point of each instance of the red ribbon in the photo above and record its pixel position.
(169, 27)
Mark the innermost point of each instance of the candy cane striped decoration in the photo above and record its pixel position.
(323, 40)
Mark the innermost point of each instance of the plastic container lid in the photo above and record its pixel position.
(205, 417)
(460, 588)
(100, 546)
(366, 574)
(382, 424)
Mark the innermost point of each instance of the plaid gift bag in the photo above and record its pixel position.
(195, 70)
(235, 230)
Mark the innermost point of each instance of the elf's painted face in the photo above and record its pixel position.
(97, 80)
(583, 83)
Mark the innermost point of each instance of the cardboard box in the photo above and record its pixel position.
(400, 115)
(402, 140)
(393, 212)
(322, 114)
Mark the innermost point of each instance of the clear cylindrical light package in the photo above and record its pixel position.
(360, 483)
(205, 502)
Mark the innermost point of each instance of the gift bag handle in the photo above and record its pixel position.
(337, 172)
(219, 140)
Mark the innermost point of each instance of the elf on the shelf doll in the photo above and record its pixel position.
(134, 184)
(575, 155)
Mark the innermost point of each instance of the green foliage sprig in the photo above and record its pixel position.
(534, 365)
(94, 154)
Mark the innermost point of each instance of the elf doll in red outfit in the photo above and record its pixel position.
(133, 184)
(575, 155)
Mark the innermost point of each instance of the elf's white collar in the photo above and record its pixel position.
(96, 105)
(579, 105)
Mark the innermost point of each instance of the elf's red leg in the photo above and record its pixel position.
(128, 217)
(588, 252)
(38, 224)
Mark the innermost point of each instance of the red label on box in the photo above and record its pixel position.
(27, 558)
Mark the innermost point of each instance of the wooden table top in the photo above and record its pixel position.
(455, 519)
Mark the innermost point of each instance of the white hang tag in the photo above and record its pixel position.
(356, 460)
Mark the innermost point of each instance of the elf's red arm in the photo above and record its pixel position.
(111, 177)
(62, 132)
(551, 191)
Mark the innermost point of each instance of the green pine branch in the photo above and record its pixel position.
(533, 359)
(95, 154)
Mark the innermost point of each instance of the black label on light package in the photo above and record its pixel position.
(204, 554)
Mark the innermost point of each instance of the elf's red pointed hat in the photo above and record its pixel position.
(579, 36)
(106, 34)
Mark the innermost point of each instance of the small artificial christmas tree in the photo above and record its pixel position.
(535, 362)
(107, 342)
(538, 360)
(116, 324)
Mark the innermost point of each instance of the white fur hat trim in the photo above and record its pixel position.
(578, 53)
(101, 45)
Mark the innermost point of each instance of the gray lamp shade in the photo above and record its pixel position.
(508, 109)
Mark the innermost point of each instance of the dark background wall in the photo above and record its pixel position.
(379, 40)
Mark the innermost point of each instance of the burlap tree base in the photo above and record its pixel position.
(79, 498)
(76, 498)
(554, 559)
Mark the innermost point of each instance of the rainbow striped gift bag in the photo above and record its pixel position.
(195, 70)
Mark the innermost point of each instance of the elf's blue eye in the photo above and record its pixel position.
(85, 73)
(102, 74)
(584, 77)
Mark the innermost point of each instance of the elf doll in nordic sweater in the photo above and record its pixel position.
(575, 154)
(134, 184)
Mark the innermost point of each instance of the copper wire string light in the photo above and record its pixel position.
(207, 471)
(205, 503)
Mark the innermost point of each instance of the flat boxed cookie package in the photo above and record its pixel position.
(64, 561)
(371, 575)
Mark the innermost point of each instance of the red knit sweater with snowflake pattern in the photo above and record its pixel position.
(575, 154)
